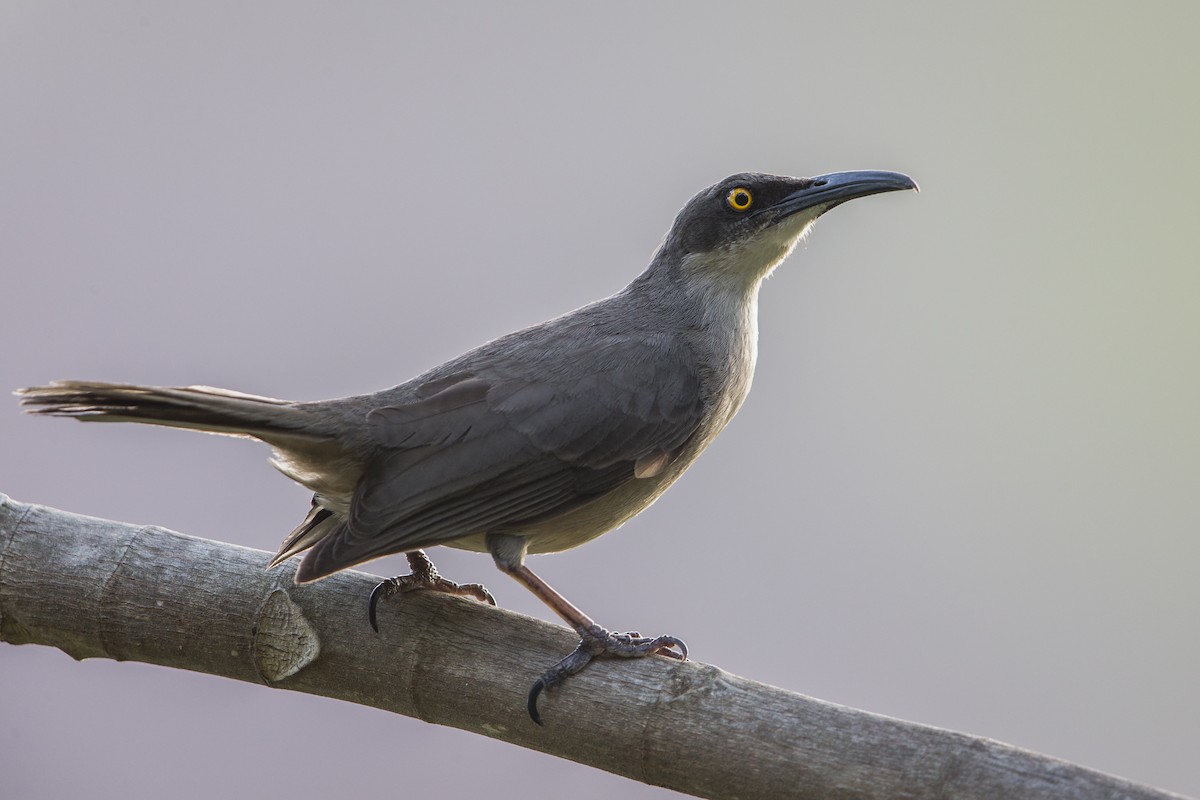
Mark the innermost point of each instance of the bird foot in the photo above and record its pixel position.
(596, 642)
(424, 576)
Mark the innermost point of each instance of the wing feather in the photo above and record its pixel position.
(493, 450)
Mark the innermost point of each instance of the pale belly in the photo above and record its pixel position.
(600, 516)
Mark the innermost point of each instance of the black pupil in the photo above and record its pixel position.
(741, 198)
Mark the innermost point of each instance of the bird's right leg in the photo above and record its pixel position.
(594, 641)
(424, 576)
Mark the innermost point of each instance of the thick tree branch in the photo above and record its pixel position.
(95, 588)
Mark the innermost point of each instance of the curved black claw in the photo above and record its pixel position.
(531, 703)
(382, 591)
(579, 658)
(599, 643)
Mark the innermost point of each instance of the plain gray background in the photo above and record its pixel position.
(964, 491)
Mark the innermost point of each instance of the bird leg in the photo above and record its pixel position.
(595, 641)
(424, 576)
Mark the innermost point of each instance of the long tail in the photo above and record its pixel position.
(197, 407)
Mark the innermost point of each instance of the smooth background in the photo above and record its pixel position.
(964, 491)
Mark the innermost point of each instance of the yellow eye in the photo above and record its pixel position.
(739, 199)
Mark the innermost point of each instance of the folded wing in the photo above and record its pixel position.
(490, 451)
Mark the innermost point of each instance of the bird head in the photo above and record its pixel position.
(739, 230)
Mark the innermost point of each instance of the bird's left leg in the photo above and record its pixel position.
(595, 641)
(424, 576)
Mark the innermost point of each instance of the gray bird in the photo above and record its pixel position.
(535, 442)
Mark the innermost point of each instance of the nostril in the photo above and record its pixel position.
(821, 182)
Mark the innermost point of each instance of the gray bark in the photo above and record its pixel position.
(100, 589)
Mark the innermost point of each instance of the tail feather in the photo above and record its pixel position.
(309, 447)
(198, 407)
(319, 523)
